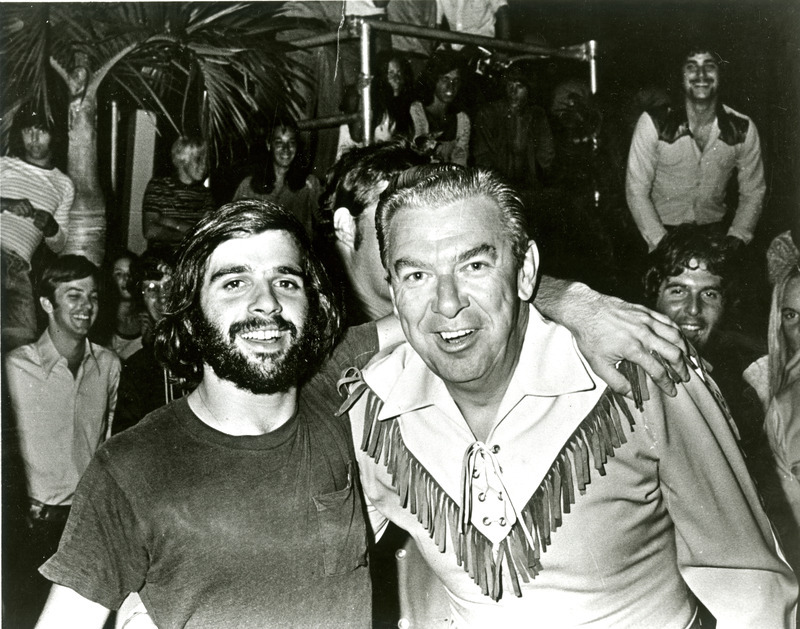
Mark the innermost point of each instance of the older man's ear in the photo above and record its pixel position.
(344, 226)
(526, 276)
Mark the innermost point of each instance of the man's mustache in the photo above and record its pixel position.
(257, 323)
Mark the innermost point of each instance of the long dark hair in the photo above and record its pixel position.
(263, 181)
(175, 344)
(439, 64)
(396, 106)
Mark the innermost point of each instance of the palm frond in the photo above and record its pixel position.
(161, 54)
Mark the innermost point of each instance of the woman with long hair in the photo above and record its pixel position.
(439, 122)
(119, 326)
(282, 179)
(772, 373)
(394, 83)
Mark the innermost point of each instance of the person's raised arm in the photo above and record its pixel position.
(609, 330)
(67, 608)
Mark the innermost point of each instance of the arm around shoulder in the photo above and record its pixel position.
(609, 330)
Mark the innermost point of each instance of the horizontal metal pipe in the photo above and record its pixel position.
(326, 122)
(578, 52)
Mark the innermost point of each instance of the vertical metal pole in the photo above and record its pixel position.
(593, 64)
(366, 79)
(114, 142)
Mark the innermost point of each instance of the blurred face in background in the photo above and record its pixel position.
(192, 164)
(517, 93)
(283, 145)
(790, 315)
(37, 145)
(122, 275)
(447, 87)
(155, 293)
(394, 76)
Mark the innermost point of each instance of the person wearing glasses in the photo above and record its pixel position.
(145, 385)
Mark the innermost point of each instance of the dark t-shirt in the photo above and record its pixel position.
(221, 531)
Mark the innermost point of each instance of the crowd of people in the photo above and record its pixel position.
(218, 432)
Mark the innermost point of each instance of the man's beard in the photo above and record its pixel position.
(265, 374)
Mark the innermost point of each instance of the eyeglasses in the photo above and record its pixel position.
(157, 289)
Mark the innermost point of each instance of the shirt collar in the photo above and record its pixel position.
(50, 356)
(549, 365)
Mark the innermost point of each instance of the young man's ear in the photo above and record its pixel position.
(344, 226)
(46, 305)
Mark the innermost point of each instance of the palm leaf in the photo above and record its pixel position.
(160, 54)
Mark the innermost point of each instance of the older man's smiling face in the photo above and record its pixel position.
(459, 292)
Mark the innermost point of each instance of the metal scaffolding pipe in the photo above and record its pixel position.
(323, 39)
(579, 52)
(366, 79)
(327, 122)
(593, 65)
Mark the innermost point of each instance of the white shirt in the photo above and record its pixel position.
(61, 420)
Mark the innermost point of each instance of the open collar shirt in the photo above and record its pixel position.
(61, 420)
(672, 510)
(670, 181)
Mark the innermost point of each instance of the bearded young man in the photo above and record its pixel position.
(238, 505)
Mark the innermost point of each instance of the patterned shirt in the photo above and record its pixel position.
(47, 189)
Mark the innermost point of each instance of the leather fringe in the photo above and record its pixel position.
(590, 446)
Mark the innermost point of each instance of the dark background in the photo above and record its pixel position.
(641, 42)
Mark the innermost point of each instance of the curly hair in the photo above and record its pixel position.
(673, 254)
(175, 345)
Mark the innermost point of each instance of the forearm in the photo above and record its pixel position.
(163, 229)
(67, 608)
(608, 330)
(751, 201)
(502, 23)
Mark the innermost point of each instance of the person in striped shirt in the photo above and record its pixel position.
(172, 205)
(34, 206)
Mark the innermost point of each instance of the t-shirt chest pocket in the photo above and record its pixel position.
(342, 528)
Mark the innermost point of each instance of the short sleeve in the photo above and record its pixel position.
(102, 555)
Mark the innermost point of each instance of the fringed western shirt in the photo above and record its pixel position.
(578, 510)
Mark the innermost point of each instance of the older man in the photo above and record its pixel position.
(489, 438)
(607, 329)
(681, 160)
